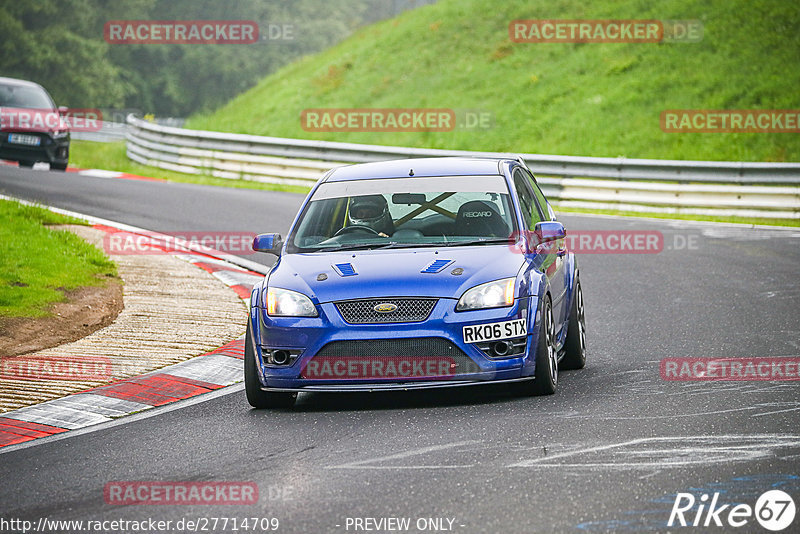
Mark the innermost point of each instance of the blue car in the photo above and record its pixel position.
(416, 273)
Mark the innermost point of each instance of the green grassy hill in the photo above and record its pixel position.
(558, 98)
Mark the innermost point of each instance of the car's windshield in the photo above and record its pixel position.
(24, 96)
(405, 212)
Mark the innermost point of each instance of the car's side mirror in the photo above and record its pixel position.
(545, 236)
(547, 231)
(271, 243)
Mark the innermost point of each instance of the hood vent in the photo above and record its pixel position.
(345, 269)
(436, 266)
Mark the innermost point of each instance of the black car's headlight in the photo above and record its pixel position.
(287, 303)
(497, 294)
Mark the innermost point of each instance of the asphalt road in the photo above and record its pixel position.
(607, 453)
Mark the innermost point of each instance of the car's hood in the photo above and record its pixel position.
(397, 273)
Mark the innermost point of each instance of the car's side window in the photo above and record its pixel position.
(530, 211)
(544, 207)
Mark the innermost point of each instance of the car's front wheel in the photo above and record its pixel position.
(575, 344)
(546, 377)
(252, 386)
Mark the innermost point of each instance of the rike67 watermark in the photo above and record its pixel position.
(774, 510)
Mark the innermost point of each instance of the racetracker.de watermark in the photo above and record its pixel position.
(73, 119)
(151, 243)
(74, 369)
(389, 367)
(607, 242)
(605, 31)
(730, 121)
(378, 120)
(137, 492)
(181, 32)
(730, 369)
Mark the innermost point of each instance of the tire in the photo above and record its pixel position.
(575, 344)
(58, 166)
(25, 164)
(546, 377)
(252, 386)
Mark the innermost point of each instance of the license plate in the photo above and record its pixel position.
(492, 331)
(22, 139)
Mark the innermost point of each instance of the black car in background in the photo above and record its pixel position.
(31, 126)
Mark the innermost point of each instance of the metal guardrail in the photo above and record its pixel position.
(109, 132)
(698, 187)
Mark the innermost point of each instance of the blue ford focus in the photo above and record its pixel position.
(417, 273)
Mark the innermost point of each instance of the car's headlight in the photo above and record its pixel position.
(490, 295)
(286, 303)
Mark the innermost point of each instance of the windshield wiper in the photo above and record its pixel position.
(362, 246)
(487, 241)
(400, 244)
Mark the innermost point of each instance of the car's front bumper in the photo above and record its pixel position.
(311, 337)
(53, 150)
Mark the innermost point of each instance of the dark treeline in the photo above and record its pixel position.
(60, 44)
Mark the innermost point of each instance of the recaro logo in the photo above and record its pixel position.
(774, 510)
(474, 214)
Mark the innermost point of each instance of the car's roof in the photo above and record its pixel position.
(421, 167)
(15, 81)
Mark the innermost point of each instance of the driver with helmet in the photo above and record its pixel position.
(371, 211)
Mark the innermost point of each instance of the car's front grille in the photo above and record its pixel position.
(394, 359)
(394, 310)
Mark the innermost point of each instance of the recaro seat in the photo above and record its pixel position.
(480, 218)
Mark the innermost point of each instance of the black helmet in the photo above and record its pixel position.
(372, 211)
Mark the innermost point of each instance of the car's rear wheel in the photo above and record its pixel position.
(575, 344)
(252, 386)
(26, 164)
(58, 166)
(546, 378)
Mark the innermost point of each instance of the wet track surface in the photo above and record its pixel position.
(608, 452)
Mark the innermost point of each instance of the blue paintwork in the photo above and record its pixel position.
(418, 272)
(267, 243)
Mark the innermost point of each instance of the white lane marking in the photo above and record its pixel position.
(100, 173)
(776, 411)
(235, 278)
(56, 415)
(152, 412)
(407, 454)
(212, 368)
(688, 451)
(579, 415)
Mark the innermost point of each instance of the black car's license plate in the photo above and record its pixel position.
(22, 139)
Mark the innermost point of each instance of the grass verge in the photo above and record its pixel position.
(581, 99)
(38, 264)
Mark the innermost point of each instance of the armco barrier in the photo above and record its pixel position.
(697, 187)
